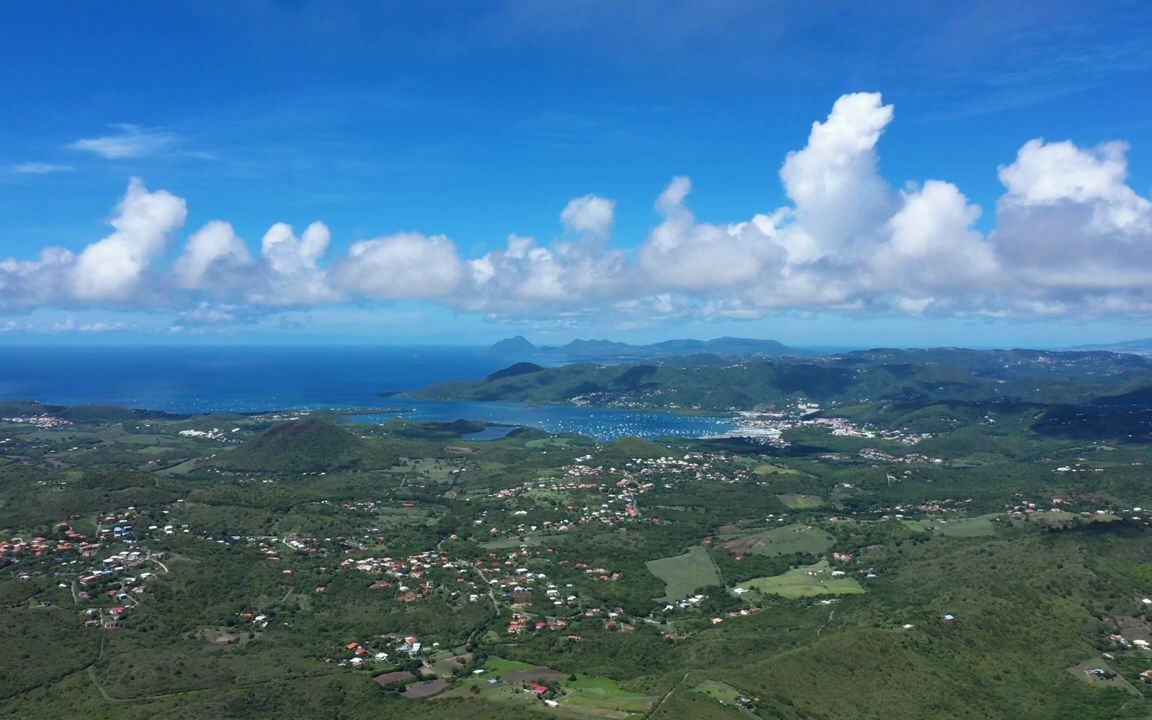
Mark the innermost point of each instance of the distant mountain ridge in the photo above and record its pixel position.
(521, 348)
(1142, 346)
(878, 376)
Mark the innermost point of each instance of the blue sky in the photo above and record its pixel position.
(423, 136)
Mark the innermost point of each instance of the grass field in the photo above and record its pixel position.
(801, 502)
(979, 526)
(602, 692)
(430, 469)
(1118, 681)
(180, 468)
(682, 574)
(721, 692)
(587, 696)
(795, 538)
(771, 469)
(561, 442)
(1066, 520)
(392, 517)
(533, 540)
(806, 581)
(497, 666)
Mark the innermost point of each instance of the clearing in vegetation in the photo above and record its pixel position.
(536, 673)
(979, 526)
(602, 692)
(1098, 672)
(721, 692)
(683, 574)
(807, 581)
(794, 501)
(771, 469)
(560, 442)
(422, 690)
(585, 696)
(786, 540)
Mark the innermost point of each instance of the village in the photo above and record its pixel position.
(770, 426)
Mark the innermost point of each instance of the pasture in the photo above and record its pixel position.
(969, 527)
(684, 574)
(786, 540)
(1083, 671)
(549, 442)
(721, 692)
(584, 696)
(806, 581)
(765, 469)
(601, 692)
(797, 501)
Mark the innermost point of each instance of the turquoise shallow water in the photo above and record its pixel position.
(253, 379)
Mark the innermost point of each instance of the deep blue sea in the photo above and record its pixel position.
(252, 379)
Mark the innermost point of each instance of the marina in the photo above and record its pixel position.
(600, 423)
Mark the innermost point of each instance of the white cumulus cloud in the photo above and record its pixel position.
(1069, 237)
(1071, 228)
(838, 194)
(111, 269)
(215, 257)
(681, 254)
(408, 265)
(291, 272)
(589, 215)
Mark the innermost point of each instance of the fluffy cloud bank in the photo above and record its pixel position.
(1070, 238)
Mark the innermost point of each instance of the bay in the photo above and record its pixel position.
(204, 379)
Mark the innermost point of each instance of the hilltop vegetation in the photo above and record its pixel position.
(307, 445)
(897, 376)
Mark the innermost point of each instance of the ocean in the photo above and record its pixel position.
(254, 379)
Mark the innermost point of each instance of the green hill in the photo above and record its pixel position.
(520, 368)
(307, 445)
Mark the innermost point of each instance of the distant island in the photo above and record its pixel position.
(520, 348)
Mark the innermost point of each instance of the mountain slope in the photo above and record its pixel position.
(903, 376)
